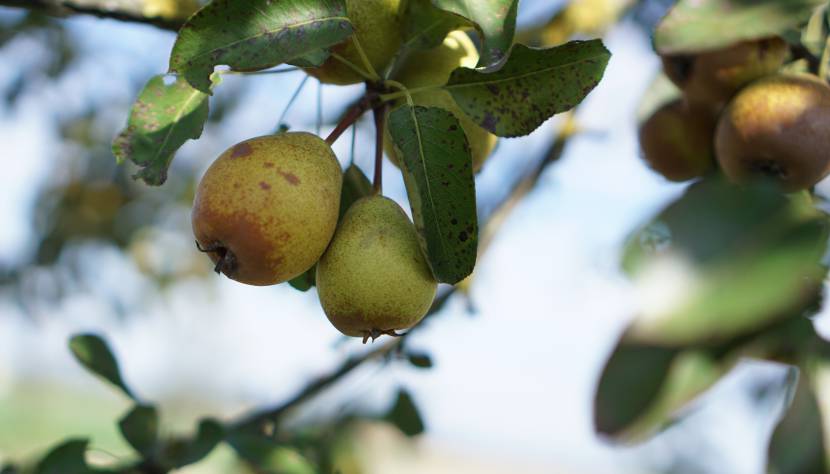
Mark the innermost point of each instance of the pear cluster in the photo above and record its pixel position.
(266, 211)
(740, 115)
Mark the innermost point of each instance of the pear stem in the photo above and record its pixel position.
(380, 121)
(349, 118)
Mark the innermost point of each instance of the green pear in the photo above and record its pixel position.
(677, 141)
(432, 68)
(713, 77)
(267, 208)
(377, 27)
(374, 279)
(777, 127)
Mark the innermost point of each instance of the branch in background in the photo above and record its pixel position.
(259, 420)
(116, 10)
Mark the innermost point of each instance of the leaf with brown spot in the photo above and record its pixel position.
(532, 86)
(495, 20)
(438, 173)
(256, 34)
(162, 119)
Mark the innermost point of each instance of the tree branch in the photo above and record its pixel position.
(98, 8)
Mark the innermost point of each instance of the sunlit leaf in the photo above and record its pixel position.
(725, 260)
(495, 20)
(140, 428)
(95, 355)
(183, 451)
(797, 444)
(426, 26)
(256, 34)
(437, 170)
(67, 458)
(630, 382)
(162, 119)
(532, 86)
(698, 25)
(270, 456)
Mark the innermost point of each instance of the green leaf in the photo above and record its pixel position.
(698, 25)
(420, 360)
(405, 416)
(256, 34)
(162, 119)
(532, 86)
(67, 458)
(355, 186)
(268, 455)
(305, 281)
(184, 451)
(437, 170)
(495, 20)
(95, 355)
(312, 59)
(814, 35)
(425, 26)
(629, 384)
(724, 261)
(140, 428)
(797, 444)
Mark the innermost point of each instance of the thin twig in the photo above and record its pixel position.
(380, 119)
(348, 119)
(61, 8)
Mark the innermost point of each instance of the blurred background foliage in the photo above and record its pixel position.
(90, 209)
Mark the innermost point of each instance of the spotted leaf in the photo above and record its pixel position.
(256, 34)
(437, 170)
(533, 85)
(163, 118)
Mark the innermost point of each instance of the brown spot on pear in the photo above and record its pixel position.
(374, 278)
(713, 77)
(777, 127)
(677, 141)
(377, 26)
(259, 228)
(433, 68)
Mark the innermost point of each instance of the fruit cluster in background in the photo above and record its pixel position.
(739, 113)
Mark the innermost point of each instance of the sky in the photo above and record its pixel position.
(512, 381)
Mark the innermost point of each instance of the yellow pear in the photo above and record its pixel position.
(433, 68)
(777, 127)
(266, 209)
(678, 141)
(374, 279)
(713, 77)
(377, 27)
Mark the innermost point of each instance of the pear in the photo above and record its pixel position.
(377, 27)
(267, 208)
(713, 77)
(374, 279)
(677, 141)
(432, 68)
(778, 127)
